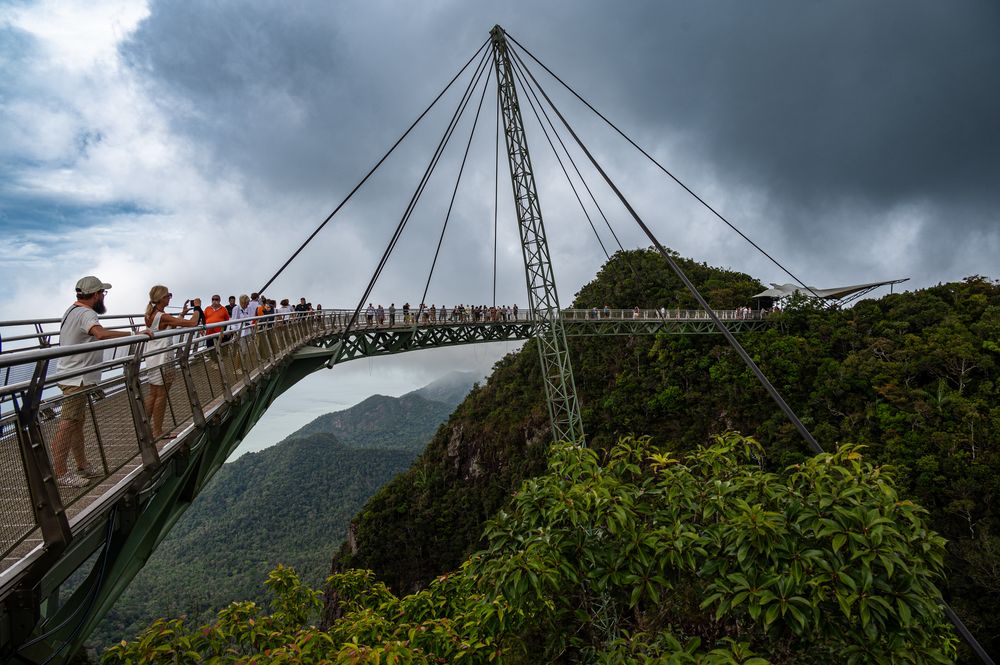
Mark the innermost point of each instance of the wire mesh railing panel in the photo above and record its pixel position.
(202, 382)
(232, 360)
(116, 428)
(178, 403)
(68, 431)
(17, 519)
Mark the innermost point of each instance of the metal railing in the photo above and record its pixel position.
(673, 314)
(107, 426)
(201, 371)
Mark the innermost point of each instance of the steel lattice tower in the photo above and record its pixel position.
(557, 371)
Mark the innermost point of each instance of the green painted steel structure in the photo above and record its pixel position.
(557, 369)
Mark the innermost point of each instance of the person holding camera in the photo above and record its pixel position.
(158, 360)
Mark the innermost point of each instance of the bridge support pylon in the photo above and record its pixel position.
(557, 371)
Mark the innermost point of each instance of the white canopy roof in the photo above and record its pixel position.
(837, 293)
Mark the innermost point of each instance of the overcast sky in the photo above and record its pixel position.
(197, 144)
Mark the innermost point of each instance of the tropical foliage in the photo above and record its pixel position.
(914, 376)
(704, 557)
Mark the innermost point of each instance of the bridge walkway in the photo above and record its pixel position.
(217, 392)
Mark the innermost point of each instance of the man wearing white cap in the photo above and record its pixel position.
(80, 325)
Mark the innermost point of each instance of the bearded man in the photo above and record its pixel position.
(80, 325)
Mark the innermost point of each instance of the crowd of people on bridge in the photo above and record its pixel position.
(376, 315)
(80, 325)
(237, 318)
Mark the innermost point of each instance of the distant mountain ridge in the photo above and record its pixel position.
(290, 503)
(451, 389)
(395, 422)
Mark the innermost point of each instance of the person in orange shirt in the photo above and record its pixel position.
(215, 313)
(266, 308)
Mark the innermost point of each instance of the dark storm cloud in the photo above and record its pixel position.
(882, 100)
(840, 114)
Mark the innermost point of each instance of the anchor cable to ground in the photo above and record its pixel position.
(814, 445)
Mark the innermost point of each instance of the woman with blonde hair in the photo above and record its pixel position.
(161, 373)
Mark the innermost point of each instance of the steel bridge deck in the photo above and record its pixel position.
(217, 396)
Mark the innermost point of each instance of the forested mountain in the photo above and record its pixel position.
(911, 376)
(287, 504)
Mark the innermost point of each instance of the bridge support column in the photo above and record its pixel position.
(557, 370)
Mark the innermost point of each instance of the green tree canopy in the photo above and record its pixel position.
(645, 557)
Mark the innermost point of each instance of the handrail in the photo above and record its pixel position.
(203, 369)
(52, 350)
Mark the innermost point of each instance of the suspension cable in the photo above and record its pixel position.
(555, 131)
(664, 169)
(517, 75)
(451, 204)
(775, 395)
(814, 445)
(572, 161)
(373, 169)
(463, 103)
(496, 200)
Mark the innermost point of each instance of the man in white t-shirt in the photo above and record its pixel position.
(80, 325)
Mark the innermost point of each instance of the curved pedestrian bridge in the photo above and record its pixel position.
(218, 386)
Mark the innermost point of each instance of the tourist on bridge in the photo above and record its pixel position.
(380, 315)
(215, 313)
(231, 305)
(635, 312)
(434, 313)
(515, 311)
(406, 313)
(254, 303)
(158, 361)
(243, 311)
(392, 314)
(196, 308)
(80, 325)
(266, 307)
(607, 311)
(370, 313)
(302, 306)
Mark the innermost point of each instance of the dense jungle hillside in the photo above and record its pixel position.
(912, 376)
(288, 504)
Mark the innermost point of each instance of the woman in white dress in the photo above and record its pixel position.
(159, 365)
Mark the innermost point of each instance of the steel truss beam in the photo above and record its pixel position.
(386, 341)
(557, 371)
(605, 327)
